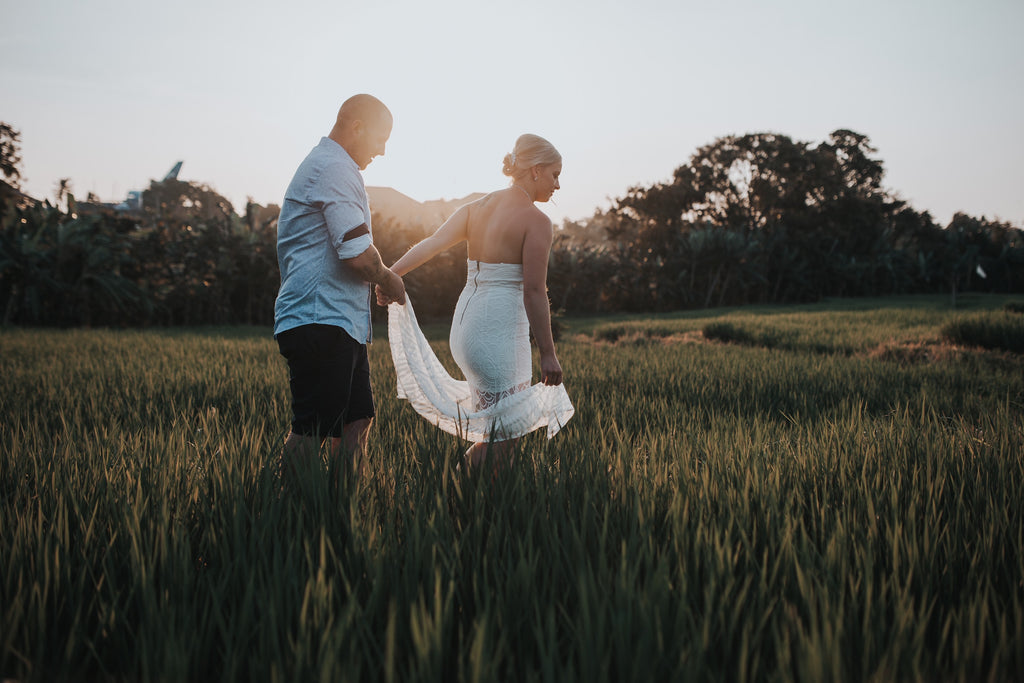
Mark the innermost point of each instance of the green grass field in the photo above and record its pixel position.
(825, 492)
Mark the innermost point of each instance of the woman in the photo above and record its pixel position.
(508, 241)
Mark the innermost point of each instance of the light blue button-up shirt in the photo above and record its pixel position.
(325, 200)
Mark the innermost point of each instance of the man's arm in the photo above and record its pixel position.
(371, 268)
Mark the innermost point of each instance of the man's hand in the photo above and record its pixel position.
(392, 291)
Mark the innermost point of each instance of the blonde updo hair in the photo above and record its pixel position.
(530, 150)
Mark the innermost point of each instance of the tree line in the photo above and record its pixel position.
(758, 218)
(762, 218)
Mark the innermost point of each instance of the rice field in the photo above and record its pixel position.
(824, 492)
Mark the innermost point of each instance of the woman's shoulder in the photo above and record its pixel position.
(536, 219)
(475, 206)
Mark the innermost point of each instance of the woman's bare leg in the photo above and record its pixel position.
(498, 453)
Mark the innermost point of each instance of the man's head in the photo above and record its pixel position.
(363, 128)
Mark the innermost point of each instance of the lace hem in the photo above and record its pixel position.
(488, 399)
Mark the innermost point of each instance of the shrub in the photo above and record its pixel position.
(1002, 332)
(728, 333)
(1014, 307)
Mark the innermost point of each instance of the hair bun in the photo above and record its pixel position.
(508, 167)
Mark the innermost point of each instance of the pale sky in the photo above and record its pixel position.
(111, 93)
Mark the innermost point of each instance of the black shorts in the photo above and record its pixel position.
(329, 375)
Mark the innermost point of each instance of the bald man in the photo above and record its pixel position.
(328, 267)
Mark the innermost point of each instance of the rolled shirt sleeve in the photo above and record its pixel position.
(353, 248)
(345, 209)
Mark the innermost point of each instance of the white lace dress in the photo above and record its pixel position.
(490, 342)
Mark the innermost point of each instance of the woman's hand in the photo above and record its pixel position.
(550, 370)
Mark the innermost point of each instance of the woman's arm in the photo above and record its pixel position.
(451, 232)
(536, 247)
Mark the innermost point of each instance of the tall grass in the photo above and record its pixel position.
(809, 510)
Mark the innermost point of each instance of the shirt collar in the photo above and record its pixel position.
(335, 146)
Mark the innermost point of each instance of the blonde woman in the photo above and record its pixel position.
(508, 241)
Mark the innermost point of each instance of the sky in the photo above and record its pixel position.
(111, 93)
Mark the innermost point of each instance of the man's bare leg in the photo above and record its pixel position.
(352, 443)
(300, 455)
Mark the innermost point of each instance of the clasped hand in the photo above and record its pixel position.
(384, 300)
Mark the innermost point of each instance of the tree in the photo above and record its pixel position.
(818, 207)
(982, 254)
(26, 257)
(89, 253)
(58, 270)
(858, 173)
(64, 193)
(188, 252)
(10, 154)
(185, 203)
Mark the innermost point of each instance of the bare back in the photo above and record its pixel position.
(497, 227)
(503, 227)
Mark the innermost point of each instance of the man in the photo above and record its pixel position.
(328, 266)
